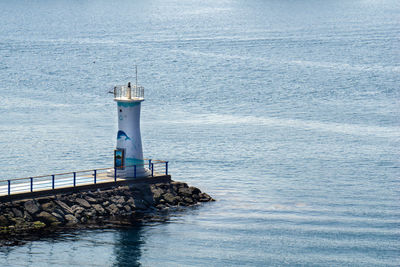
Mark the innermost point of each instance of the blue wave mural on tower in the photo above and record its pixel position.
(122, 134)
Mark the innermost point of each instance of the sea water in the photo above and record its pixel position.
(286, 112)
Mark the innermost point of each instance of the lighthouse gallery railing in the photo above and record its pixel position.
(73, 179)
(128, 92)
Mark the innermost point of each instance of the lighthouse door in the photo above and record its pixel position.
(119, 158)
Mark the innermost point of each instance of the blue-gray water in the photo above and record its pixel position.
(287, 112)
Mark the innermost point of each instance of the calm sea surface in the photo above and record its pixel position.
(287, 112)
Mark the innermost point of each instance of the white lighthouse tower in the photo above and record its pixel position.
(128, 155)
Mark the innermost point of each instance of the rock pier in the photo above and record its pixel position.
(101, 207)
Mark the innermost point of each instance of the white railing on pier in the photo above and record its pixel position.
(77, 178)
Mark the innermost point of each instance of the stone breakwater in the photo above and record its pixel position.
(122, 205)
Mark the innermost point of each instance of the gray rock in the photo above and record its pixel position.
(3, 221)
(83, 202)
(77, 210)
(59, 211)
(27, 217)
(204, 197)
(161, 206)
(98, 208)
(179, 184)
(184, 191)
(31, 206)
(48, 206)
(46, 217)
(157, 193)
(17, 212)
(170, 198)
(131, 201)
(90, 213)
(58, 216)
(112, 209)
(194, 190)
(67, 209)
(122, 188)
(127, 208)
(118, 199)
(91, 200)
(71, 219)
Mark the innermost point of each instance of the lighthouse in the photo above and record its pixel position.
(128, 155)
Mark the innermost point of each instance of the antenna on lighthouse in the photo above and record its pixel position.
(136, 74)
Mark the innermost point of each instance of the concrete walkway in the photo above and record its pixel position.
(65, 182)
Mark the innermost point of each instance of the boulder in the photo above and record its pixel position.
(157, 193)
(64, 207)
(46, 217)
(38, 225)
(17, 212)
(178, 185)
(204, 197)
(188, 200)
(90, 213)
(31, 206)
(48, 206)
(77, 210)
(71, 219)
(127, 208)
(98, 208)
(118, 199)
(59, 217)
(131, 201)
(184, 191)
(91, 200)
(82, 202)
(170, 198)
(59, 211)
(194, 190)
(113, 209)
(4, 221)
(27, 217)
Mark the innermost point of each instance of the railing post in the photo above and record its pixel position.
(149, 163)
(134, 171)
(31, 184)
(52, 181)
(95, 175)
(152, 170)
(74, 179)
(9, 187)
(166, 168)
(115, 174)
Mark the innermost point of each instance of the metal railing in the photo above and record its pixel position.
(129, 92)
(78, 178)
